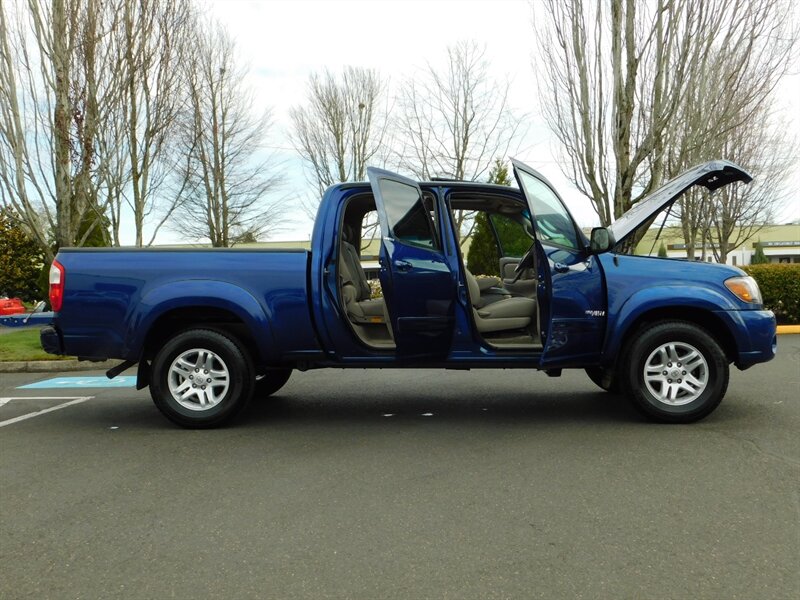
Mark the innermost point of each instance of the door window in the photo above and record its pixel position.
(409, 221)
(553, 223)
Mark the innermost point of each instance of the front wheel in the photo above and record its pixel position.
(201, 378)
(675, 372)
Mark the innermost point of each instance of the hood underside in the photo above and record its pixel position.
(711, 175)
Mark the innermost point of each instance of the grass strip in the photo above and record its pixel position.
(24, 345)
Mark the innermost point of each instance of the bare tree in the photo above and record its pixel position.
(342, 126)
(739, 211)
(455, 121)
(148, 44)
(224, 178)
(58, 83)
(619, 75)
(727, 113)
(88, 97)
(153, 46)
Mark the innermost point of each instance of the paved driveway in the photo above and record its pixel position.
(515, 486)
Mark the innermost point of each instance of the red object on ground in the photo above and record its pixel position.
(11, 306)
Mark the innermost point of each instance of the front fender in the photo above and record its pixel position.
(691, 297)
(198, 293)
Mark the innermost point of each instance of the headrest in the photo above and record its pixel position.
(349, 234)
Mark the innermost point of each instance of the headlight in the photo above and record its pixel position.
(744, 288)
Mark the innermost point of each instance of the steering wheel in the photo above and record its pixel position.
(526, 262)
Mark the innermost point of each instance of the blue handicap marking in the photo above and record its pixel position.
(82, 382)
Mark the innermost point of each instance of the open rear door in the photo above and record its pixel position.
(418, 287)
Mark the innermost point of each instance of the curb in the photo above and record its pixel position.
(788, 329)
(52, 366)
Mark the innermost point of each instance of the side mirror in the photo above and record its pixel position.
(600, 240)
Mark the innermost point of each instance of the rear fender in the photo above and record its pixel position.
(198, 293)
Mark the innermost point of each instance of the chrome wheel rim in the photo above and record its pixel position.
(198, 379)
(676, 373)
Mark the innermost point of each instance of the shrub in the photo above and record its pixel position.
(780, 287)
(20, 260)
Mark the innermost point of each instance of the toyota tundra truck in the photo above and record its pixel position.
(208, 329)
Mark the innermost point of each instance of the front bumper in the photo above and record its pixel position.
(755, 333)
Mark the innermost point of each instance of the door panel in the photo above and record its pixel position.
(574, 322)
(418, 286)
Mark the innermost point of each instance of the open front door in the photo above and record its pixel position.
(573, 305)
(418, 287)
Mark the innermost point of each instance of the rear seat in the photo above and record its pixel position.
(355, 286)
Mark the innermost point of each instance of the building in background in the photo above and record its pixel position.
(781, 244)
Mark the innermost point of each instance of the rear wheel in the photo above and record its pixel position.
(201, 378)
(675, 372)
(271, 382)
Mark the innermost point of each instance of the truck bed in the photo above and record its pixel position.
(113, 296)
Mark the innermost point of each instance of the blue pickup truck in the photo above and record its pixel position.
(209, 329)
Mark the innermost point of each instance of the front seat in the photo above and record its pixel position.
(355, 286)
(510, 313)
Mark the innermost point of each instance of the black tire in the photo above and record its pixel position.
(234, 360)
(683, 337)
(271, 382)
(605, 379)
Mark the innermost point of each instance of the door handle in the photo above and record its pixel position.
(560, 267)
(402, 265)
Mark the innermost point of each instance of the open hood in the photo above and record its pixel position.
(713, 175)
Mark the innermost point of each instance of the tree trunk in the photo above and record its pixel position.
(61, 127)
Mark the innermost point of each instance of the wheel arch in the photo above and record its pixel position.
(218, 319)
(167, 309)
(703, 318)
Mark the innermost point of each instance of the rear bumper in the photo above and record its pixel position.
(51, 341)
(756, 336)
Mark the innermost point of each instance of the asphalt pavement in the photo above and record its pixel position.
(403, 484)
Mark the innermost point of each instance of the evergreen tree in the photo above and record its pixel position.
(483, 258)
(99, 236)
(499, 173)
(662, 251)
(759, 258)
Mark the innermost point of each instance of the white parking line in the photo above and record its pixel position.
(72, 400)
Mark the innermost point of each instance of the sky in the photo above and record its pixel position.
(283, 42)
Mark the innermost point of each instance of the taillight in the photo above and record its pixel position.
(56, 286)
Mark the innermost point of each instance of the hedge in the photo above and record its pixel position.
(780, 287)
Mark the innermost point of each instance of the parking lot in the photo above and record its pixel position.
(402, 484)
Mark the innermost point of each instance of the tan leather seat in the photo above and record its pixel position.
(355, 288)
(507, 314)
